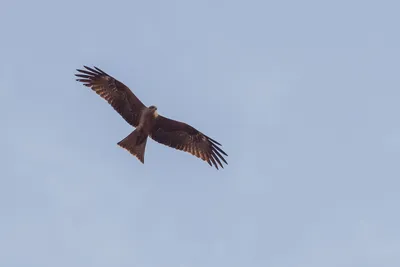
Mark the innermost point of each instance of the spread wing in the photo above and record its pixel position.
(184, 137)
(117, 94)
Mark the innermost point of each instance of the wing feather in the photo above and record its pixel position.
(184, 137)
(117, 94)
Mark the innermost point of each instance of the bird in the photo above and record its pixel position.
(147, 121)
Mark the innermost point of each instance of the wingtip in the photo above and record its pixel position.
(213, 141)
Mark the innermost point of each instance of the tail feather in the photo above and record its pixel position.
(135, 143)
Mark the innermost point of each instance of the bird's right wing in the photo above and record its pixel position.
(117, 94)
(182, 136)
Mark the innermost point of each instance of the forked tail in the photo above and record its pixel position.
(135, 143)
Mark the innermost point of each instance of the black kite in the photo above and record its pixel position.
(147, 122)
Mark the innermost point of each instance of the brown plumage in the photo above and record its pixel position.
(166, 131)
(117, 94)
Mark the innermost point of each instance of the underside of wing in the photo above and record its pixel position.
(184, 137)
(118, 95)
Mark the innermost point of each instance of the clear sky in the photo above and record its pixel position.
(303, 95)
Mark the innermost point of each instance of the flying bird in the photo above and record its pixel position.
(148, 122)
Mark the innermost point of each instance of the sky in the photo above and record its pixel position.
(303, 95)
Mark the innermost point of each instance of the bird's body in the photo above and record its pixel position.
(148, 122)
(147, 119)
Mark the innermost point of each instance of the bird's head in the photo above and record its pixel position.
(154, 110)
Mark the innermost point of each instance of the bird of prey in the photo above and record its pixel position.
(148, 122)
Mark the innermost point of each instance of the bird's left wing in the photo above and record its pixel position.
(117, 94)
(184, 137)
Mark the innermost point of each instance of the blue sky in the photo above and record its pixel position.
(303, 95)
